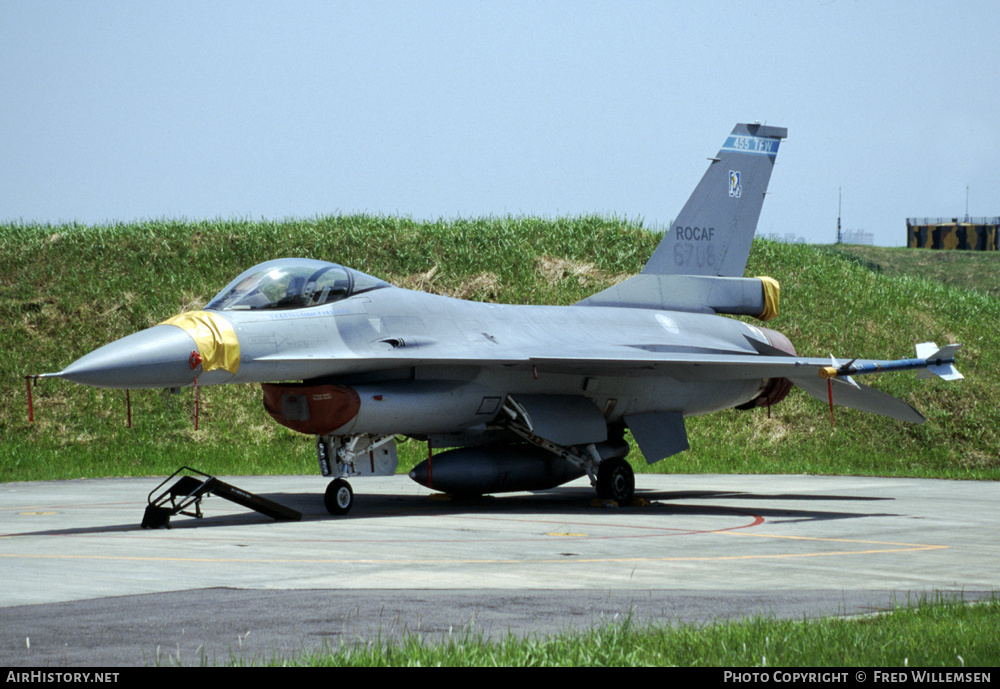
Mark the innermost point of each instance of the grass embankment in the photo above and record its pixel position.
(972, 270)
(928, 634)
(65, 290)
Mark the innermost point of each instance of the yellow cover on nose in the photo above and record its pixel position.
(217, 343)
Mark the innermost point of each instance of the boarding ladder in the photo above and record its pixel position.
(189, 491)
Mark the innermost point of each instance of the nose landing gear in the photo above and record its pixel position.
(339, 497)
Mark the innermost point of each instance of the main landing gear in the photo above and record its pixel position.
(604, 462)
(615, 480)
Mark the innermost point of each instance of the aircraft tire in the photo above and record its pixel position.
(339, 497)
(615, 480)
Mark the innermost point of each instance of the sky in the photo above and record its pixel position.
(124, 111)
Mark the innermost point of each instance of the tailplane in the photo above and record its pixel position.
(714, 231)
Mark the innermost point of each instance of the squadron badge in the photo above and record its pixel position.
(735, 187)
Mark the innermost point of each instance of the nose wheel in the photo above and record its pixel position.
(339, 497)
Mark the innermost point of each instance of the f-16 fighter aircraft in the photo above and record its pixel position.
(528, 397)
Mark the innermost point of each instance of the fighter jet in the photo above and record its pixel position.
(525, 398)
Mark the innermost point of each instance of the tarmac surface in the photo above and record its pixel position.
(84, 585)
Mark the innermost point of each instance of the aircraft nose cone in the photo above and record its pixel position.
(159, 357)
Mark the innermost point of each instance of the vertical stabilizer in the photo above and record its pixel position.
(714, 231)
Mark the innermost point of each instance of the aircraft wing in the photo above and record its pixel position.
(686, 366)
(360, 363)
(696, 365)
(824, 379)
(820, 377)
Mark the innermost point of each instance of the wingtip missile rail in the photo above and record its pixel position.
(930, 360)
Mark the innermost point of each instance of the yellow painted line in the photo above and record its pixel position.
(568, 535)
(918, 546)
(561, 560)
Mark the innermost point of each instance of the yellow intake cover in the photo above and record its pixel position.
(217, 343)
(772, 295)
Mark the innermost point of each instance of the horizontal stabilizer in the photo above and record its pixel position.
(860, 397)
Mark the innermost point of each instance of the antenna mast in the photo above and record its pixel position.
(839, 196)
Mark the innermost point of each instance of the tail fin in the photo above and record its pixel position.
(714, 231)
(940, 362)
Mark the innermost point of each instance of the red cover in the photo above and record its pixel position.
(312, 409)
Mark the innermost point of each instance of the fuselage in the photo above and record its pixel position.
(423, 364)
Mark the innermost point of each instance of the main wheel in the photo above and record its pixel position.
(339, 497)
(615, 480)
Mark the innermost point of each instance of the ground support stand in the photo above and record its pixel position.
(189, 491)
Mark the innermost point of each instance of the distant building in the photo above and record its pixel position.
(976, 234)
(857, 237)
(787, 238)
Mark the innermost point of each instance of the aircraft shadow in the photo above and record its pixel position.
(574, 502)
(692, 494)
(560, 502)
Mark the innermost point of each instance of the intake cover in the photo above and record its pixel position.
(312, 409)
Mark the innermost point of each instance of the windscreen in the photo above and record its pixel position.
(290, 283)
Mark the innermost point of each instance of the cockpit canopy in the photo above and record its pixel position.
(292, 283)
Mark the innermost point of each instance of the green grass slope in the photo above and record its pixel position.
(65, 290)
(974, 270)
(928, 634)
